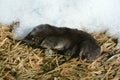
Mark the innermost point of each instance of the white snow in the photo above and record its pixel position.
(92, 15)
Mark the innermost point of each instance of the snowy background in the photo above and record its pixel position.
(92, 15)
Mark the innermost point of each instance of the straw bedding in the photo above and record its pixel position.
(19, 61)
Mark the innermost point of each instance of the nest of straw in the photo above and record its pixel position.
(19, 61)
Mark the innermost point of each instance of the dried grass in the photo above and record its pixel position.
(19, 61)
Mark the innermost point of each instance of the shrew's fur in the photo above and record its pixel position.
(68, 41)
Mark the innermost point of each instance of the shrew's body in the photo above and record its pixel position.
(68, 41)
